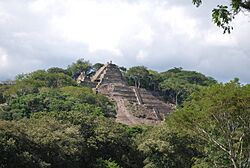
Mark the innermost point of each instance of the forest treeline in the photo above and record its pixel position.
(47, 120)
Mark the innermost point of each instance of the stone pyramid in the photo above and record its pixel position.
(134, 105)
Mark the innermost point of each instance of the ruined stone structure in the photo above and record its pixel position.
(134, 105)
(80, 78)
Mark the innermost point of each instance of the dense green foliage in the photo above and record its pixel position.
(175, 84)
(65, 139)
(164, 148)
(64, 99)
(178, 84)
(47, 91)
(46, 120)
(220, 116)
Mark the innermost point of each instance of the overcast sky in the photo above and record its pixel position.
(159, 34)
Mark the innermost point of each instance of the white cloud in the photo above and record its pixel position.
(43, 6)
(146, 35)
(216, 38)
(4, 16)
(160, 34)
(178, 19)
(100, 25)
(3, 59)
(142, 55)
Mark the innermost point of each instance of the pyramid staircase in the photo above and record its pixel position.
(138, 95)
(98, 73)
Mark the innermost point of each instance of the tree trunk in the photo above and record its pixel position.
(176, 98)
(234, 163)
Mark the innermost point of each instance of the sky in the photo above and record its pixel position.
(159, 34)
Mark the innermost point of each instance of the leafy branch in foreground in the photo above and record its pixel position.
(224, 14)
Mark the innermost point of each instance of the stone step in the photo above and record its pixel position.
(112, 81)
(124, 95)
(132, 100)
(124, 91)
(112, 73)
(152, 101)
(122, 87)
(147, 96)
(109, 74)
(157, 106)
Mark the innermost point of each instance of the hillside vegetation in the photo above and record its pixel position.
(47, 120)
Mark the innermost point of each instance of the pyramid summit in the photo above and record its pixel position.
(134, 105)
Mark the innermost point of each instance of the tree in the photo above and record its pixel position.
(123, 69)
(79, 66)
(164, 148)
(177, 84)
(155, 79)
(103, 141)
(58, 70)
(106, 164)
(42, 142)
(219, 115)
(59, 80)
(191, 77)
(64, 99)
(54, 80)
(2, 90)
(138, 76)
(223, 15)
(51, 79)
(97, 66)
(86, 96)
(23, 87)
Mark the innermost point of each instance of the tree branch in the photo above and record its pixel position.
(213, 140)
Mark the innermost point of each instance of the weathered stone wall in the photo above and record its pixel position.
(112, 74)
